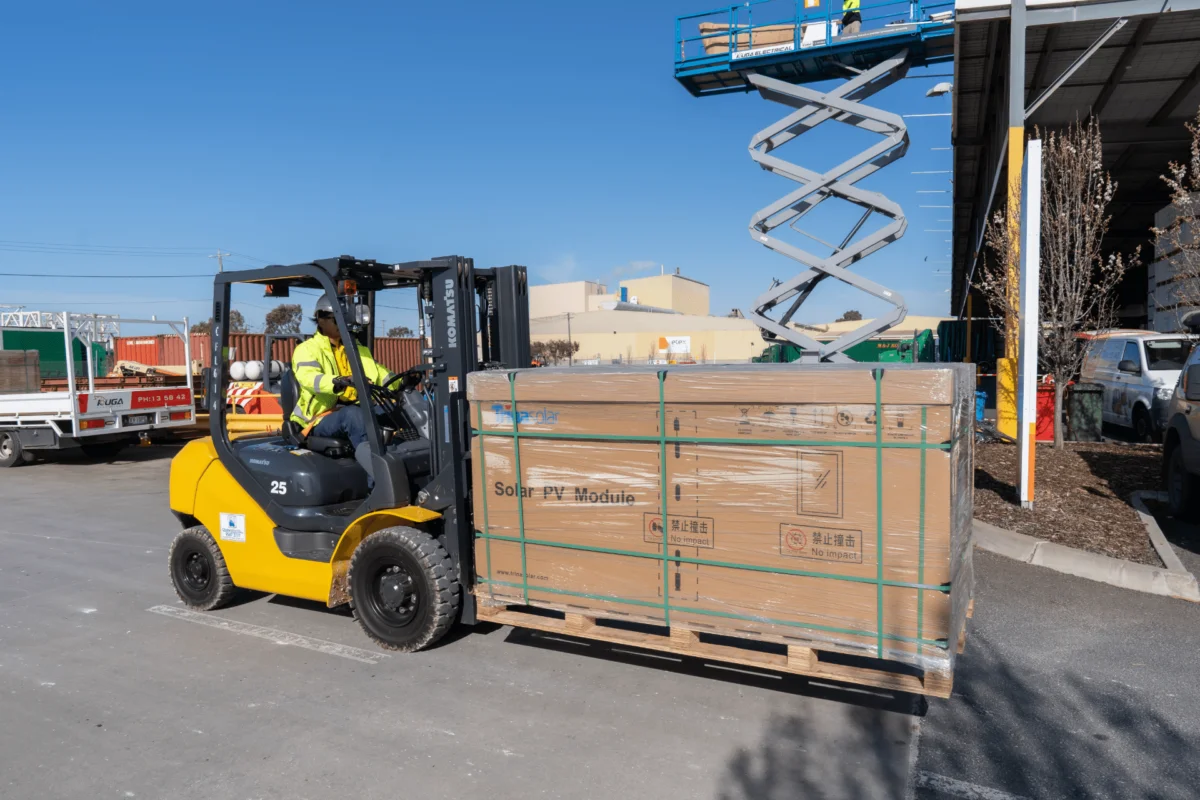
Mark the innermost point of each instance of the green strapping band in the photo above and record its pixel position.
(662, 440)
(483, 479)
(621, 437)
(705, 562)
(921, 540)
(879, 501)
(512, 393)
(724, 614)
(662, 487)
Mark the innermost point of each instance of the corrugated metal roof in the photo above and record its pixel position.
(1134, 78)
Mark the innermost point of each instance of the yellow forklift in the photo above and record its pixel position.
(291, 514)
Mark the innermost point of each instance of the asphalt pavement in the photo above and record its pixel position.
(111, 689)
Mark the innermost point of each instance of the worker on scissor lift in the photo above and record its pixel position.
(328, 404)
(851, 19)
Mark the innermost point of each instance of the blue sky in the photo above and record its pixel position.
(547, 134)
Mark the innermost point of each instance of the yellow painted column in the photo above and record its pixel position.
(1006, 368)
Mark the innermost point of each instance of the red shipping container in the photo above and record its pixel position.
(166, 350)
(398, 354)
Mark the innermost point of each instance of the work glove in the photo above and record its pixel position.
(341, 383)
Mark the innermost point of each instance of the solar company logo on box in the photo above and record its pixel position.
(502, 414)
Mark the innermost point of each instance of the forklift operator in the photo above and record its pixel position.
(328, 404)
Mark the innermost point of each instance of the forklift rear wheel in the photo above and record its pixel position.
(403, 589)
(10, 449)
(198, 570)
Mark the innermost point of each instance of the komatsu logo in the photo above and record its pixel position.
(451, 315)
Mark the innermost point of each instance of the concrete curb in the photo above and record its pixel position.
(1165, 551)
(1179, 583)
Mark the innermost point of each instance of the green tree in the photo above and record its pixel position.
(400, 332)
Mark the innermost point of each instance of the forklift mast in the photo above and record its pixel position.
(476, 319)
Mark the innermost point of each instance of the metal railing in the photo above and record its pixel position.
(766, 27)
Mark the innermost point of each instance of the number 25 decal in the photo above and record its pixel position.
(278, 487)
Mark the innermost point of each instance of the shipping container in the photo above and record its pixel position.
(398, 354)
(163, 350)
(51, 347)
(167, 350)
(919, 349)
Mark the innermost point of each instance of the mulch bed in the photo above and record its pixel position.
(1082, 495)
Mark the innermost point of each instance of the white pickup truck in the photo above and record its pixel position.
(99, 420)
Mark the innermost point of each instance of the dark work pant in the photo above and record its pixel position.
(345, 421)
(349, 421)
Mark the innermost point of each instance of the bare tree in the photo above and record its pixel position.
(1179, 242)
(1078, 283)
(284, 318)
(553, 351)
(561, 349)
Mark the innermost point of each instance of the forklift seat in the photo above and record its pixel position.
(289, 391)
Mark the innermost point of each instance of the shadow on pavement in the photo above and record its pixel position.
(1054, 735)
(868, 757)
(129, 455)
(1181, 533)
(864, 697)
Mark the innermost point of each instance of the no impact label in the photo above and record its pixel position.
(820, 543)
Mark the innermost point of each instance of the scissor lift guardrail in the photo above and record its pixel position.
(775, 47)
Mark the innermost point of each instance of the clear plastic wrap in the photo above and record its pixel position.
(826, 505)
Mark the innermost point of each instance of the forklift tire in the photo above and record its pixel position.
(403, 589)
(198, 570)
(10, 450)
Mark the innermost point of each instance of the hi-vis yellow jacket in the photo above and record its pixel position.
(315, 367)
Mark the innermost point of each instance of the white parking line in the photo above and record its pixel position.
(272, 635)
(967, 791)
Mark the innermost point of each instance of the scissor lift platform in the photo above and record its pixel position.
(716, 51)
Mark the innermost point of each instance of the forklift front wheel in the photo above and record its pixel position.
(403, 589)
(198, 570)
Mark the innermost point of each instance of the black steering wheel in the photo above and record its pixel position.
(409, 378)
(389, 397)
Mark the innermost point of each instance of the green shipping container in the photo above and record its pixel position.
(896, 351)
(51, 349)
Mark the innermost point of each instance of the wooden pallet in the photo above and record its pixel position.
(683, 640)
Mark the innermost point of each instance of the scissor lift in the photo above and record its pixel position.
(776, 47)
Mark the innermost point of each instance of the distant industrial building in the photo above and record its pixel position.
(670, 292)
(657, 319)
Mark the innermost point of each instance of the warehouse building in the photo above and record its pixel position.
(658, 319)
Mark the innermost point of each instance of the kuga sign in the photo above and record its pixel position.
(118, 402)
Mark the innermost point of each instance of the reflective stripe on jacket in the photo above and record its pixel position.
(850, 5)
(315, 367)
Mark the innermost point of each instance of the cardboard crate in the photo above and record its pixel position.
(829, 505)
